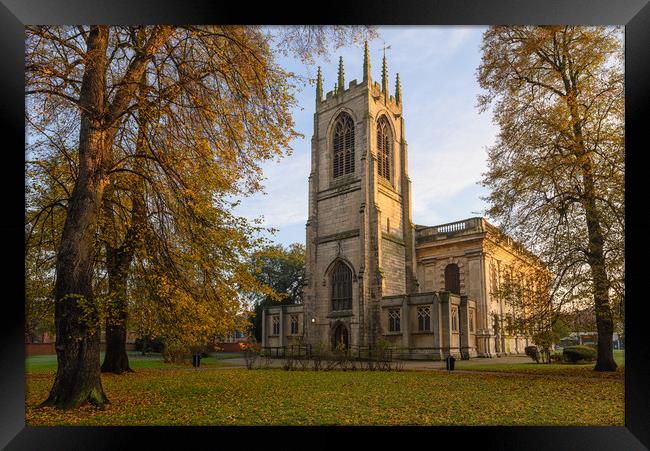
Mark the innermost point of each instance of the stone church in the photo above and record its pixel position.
(370, 272)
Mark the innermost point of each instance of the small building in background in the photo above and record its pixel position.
(589, 338)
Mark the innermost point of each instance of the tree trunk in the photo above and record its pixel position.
(116, 360)
(118, 265)
(600, 282)
(78, 379)
(604, 322)
(596, 255)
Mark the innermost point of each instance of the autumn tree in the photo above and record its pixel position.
(102, 100)
(556, 172)
(308, 42)
(527, 293)
(215, 93)
(186, 291)
(191, 167)
(282, 270)
(46, 193)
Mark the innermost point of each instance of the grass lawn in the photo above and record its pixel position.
(47, 363)
(527, 366)
(229, 396)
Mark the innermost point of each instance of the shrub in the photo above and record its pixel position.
(531, 351)
(304, 362)
(251, 353)
(544, 340)
(147, 344)
(341, 356)
(575, 354)
(317, 356)
(175, 351)
(289, 363)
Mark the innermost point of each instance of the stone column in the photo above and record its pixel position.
(406, 330)
(282, 337)
(463, 315)
(445, 329)
(264, 328)
(436, 341)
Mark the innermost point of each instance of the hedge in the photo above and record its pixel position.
(575, 354)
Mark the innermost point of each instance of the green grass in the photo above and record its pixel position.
(273, 396)
(527, 366)
(47, 363)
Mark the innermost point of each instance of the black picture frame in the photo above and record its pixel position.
(14, 14)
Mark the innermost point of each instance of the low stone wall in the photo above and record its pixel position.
(39, 349)
(228, 347)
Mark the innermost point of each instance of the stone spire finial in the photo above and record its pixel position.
(384, 77)
(366, 62)
(319, 86)
(398, 90)
(341, 82)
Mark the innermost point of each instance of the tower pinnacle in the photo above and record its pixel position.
(366, 62)
(341, 83)
(319, 86)
(398, 90)
(384, 77)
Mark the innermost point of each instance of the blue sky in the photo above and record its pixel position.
(447, 137)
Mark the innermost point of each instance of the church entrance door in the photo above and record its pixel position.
(340, 336)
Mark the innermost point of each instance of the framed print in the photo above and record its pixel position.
(351, 217)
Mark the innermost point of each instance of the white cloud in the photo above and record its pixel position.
(425, 44)
(446, 159)
(286, 188)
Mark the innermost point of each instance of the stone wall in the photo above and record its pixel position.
(392, 265)
(481, 258)
(440, 340)
(284, 336)
(337, 211)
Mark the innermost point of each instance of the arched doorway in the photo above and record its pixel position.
(340, 336)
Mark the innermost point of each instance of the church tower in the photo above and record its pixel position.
(360, 238)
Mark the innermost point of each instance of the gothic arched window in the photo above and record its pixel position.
(343, 145)
(383, 148)
(341, 287)
(452, 278)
